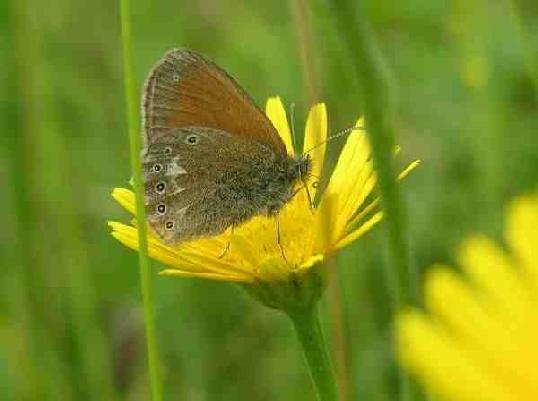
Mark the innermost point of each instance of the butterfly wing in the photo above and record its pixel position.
(186, 90)
(199, 181)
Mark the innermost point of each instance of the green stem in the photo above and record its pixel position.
(377, 110)
(308, 329)
(524, 37)
(131, 100)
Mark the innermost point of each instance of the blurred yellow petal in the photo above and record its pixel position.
(274, 109)
(493, 272)
(482, 324)
(522, 233)
(444, 366)
(455, 304)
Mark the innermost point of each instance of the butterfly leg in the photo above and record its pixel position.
(278, 238)
(309, 196)
(228, 244)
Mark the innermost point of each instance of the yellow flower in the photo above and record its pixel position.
(254, 255)
(480, 339)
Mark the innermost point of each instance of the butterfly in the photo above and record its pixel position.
(211, 158)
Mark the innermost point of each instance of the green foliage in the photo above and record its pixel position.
(463, 84)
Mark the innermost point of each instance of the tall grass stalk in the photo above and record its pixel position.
(303, 31)
(131, 102)
(525, 37)
(377, 111)
(470, 29)
(21, 341)
(38, 143)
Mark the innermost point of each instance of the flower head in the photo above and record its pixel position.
(480, 338)
(254, 255)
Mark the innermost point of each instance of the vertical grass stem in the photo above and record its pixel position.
(132, 110)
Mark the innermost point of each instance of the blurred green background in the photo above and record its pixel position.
(464, 85)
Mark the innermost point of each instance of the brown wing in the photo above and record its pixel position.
(189, 189)
(186, 90)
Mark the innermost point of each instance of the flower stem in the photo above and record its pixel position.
(131, 100)
(308, 329)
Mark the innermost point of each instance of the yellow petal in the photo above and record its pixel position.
(170, 256)
(248, 253)
(209, 276)
(214, 264)
(369, 208)
(493, 344)
(522, 233)
(128, 236)
(206, 246)
(455, 304)
(351, 161)
(493, 273)
(125, 198)
(360, 231)
(274, 109)
(311, 261)
(357, 193)
(376, 202)
(325, 231)
(441, 364)
(315, 139)
(274, 269)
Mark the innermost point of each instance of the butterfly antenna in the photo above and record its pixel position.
(292, 123)
(334, 136)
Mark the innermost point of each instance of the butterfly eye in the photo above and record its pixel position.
(169, 225)
(192, 139)
(315, 184)
(161, 208)
(159, 188)
(157, 167)
(167, 150)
